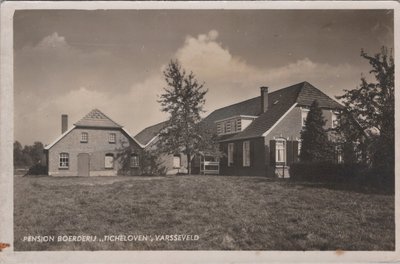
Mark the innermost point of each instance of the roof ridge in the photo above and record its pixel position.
(237, 103)
(270, 93)
(91, 117)
(151, 126)
(108, 117)
(302, 93)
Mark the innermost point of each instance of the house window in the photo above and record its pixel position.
(111, 138)
(339, 154)
(84, 137)
(177, 161)
(134, 160)
(64, 161)
(299, 147)
(109, 161)
(304, 114)
(334, 119)
(230, 154)
(280, 148)
(246, 153)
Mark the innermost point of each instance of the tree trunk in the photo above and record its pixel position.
(189, 164)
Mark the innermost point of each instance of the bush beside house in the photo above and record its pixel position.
(37, 169)
(351, 175)
(326, 172)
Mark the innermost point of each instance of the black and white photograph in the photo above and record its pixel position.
(181, 129)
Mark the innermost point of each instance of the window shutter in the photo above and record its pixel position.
(289, 152)
(295, 151)
(272, 149)
(251, 146)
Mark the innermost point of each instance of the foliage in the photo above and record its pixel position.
(371, 105)
(18, 154)
(356, 176)
(315, 142)
(325, 171)
(183, 99)
(37, 169)
(351, 138)
(29, 155)
(149, 162)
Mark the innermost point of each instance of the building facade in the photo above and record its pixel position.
(93, 147)
(261, 136)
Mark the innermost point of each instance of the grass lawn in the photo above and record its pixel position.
(227, 213)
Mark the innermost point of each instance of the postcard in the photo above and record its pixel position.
(223, 132)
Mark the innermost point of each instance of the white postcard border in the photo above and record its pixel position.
(6, 142)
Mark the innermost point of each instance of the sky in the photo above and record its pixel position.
(72, 61)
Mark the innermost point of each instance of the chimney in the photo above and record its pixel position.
(264, 99)
(64, 123)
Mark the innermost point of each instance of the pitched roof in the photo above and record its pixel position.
(308, 93)
(147, 134)
(279, 102)
(96, 118)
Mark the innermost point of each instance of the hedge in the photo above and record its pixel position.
(326, 172)
(37, 169)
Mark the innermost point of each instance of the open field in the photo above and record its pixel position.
(227, 213)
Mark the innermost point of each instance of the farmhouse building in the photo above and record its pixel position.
(261, 135)
(172, 164)
(91, 147)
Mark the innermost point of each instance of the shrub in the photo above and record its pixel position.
(327, 172)
(37, 169)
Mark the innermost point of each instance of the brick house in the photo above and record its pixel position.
(261, 135)
(173, 164)
(90, 148)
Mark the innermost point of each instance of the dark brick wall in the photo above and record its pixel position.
(289, 128)
(257, 159)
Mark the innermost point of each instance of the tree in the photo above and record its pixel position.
(351, 138)
(183, 99)
(315, 142)
(37, 152)
(149, 162)
(29, 155)
(18, 155)
(372, 106)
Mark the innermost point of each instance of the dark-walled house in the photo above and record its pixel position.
(90, 148)
(261, 135)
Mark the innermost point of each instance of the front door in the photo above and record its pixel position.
(83, 164)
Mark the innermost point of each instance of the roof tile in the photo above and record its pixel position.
(149, 133)
(96, 118)
(279, 102)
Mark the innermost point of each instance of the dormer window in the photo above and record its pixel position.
(84, 137)
(233, 124)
